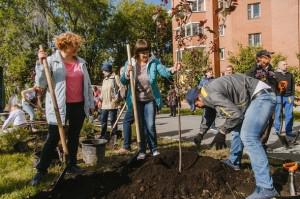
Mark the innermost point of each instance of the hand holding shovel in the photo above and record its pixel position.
(43, 59)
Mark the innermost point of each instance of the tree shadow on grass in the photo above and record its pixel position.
(14, 184)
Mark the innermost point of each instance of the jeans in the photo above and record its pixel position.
(28, 109)
(127, 122)
(103, 120)
(236, 150)
(75, 116)
(288, 103)
(248, 136)
(147, 112)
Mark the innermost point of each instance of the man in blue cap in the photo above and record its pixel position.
(238, 99)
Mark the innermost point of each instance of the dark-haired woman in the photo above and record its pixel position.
(145, 70)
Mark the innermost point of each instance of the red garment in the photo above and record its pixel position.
(97, 100)
(74, 82)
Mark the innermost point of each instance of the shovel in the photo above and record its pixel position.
(59, 121)
(135, 111)
(291, 167)
(115, 137)
(282, 135)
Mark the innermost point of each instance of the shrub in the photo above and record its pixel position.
(296, 72)
(194, 62)
(88, 130)
(276, 58)
(245, 58)
(12, 141)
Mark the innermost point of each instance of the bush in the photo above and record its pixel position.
(87, 129)
(195, 61)
(246, 57)
(244, 60)
(296, 72)
(276, 58)
(12, 141)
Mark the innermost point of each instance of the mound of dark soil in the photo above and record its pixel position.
(201, 177)
(158, 178)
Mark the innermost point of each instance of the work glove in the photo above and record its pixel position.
(198, 139)
(219, 141)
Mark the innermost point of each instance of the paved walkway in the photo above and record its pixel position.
(167, 127)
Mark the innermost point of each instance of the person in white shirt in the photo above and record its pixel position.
(16, 118)
(30, 101)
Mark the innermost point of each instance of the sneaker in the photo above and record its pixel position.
(263, 193)
(141, 156)
(123, 151)
(214, 129)
(37, 178)
(75, 170)
(155, 153)
(228, 163)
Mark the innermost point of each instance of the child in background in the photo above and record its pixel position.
(16, 117)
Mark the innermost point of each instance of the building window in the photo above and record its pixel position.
(220, 4)
(253, 11)
(180, 32)
(196, 29)
(254, 39)
(188, 30)
(222, 30)
(198, 6)
(192, 29)
(222, 53)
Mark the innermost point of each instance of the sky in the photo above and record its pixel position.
(157, 1)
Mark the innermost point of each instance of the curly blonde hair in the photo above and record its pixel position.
(67, 40)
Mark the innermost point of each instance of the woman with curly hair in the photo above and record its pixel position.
(74, 94)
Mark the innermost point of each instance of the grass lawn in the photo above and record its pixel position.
(16, 171)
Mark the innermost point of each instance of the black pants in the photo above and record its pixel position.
(75, 116)
(173, 110)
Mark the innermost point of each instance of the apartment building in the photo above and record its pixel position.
(272, 24)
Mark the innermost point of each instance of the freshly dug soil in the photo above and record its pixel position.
(158, 178)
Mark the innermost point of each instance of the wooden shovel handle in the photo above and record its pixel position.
(55, 105)
(133, 94)
(119, 116)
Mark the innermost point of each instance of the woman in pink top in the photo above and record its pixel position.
(74, 97)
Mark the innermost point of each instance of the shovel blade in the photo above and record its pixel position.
(60, 179)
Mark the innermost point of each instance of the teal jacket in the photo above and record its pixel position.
(154, 67)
